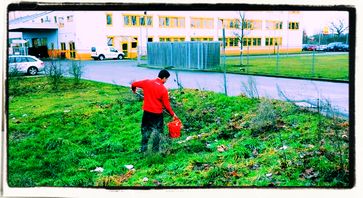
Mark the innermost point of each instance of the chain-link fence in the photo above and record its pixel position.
(314, 63)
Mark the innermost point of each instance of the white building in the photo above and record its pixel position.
(73, 33)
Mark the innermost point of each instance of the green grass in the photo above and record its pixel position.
(332, 67)
(58, 138)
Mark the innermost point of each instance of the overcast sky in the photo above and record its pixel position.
(314, 21)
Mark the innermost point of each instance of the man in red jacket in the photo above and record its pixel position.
(155, 98)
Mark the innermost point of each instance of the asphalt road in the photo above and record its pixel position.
(123, 72)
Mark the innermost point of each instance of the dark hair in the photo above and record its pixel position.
(164, 74)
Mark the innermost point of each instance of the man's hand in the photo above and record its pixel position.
(175, 116)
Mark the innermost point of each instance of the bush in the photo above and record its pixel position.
(55, 73)
(265, 119)
(76, 70)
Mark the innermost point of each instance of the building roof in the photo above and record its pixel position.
(28, 18)
(24, 23)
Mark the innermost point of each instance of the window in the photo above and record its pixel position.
(150, 39)
(172, 22)
(70, 18)
(252, 24)
(29, 59)
(251, 41)
(12, 60)
(270, 41)
(229, 23)
(20, 59)
(134, 20)
(203, 23)
(230, 41)
(61, 22)
(63, 46)
(109, 19)
(274, 25)
(127, 20)
(293, 25)
(137, 20)
(134, 43)
(43, 42)
(201, 39)
(110, 41)
(171, 39)
(55, 19)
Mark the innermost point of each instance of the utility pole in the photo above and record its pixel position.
(139, 43)
(146, 24)
(224, 58)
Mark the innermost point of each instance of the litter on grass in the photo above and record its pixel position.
(98, 169)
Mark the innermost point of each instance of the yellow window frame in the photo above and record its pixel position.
(208, 38)
(171, 22)
(137, 18)
(272, 41)
(250, 41)
(204, 23)
(294, 25)
(112, 39)
(171, 39)
(234, 40)
(227, 23)
(109, 15)
(274, 25)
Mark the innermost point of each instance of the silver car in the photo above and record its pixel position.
(25, 64)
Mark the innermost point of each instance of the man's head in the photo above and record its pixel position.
(164, 75)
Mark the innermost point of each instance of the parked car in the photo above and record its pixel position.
(308, 47)
(305, 47)
(345, 47)
(321, 48)
(337, 46)
(312, 47)
(25, 64)
(101, 53)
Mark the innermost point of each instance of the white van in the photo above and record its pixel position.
(101, 53)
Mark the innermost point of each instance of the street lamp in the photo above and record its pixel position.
(142, 22)
(224, 58)
(146, 24)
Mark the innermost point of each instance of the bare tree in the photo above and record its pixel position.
(242, 25)
(338, 28)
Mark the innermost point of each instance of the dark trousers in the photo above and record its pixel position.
(151, 127)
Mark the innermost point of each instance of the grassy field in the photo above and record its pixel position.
(333, 67)
(60, 138)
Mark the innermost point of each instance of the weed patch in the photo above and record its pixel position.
(87, 135)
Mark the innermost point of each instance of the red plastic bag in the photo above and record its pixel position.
(175, 128)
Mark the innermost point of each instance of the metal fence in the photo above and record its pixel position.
(314, 64)
(184, 55)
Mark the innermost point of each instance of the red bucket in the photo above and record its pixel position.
(175, 128)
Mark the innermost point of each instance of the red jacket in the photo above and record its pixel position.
(155, 95)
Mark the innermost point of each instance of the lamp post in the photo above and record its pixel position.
(224, 58)
(139, 47)
(146, 24)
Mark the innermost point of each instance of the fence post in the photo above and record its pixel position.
(224, 62)
(189, 56)
(277, 59)
(171, 52)
(313, 65)
(248, 55)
